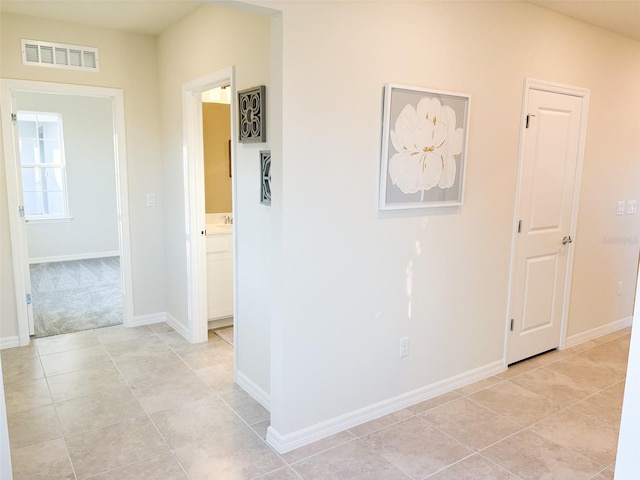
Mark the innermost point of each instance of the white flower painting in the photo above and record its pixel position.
(424, 151)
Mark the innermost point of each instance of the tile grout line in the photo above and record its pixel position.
(592, 419)
(411, 417)
(286, 467)
(219, 396)
(134, 463)
(216, 394)
(146, 414)
(500, 466)
(55, 409)
(64, 436)
(234, 410)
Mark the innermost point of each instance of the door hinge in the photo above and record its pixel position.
(28, 299)
(519, 226)
(527, 122)
(21, 211)
(14, 118)
(511, 326)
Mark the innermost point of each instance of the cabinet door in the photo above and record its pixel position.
(219, 285)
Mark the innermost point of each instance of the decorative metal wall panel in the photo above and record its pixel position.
(265, 169)
(252, 114)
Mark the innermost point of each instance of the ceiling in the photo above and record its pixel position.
(619, 16)
(151, 17)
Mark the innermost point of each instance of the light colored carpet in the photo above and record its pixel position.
(225, 334)
(76, 295)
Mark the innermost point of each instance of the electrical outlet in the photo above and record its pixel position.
(632, 207)
(620, 210)
(619, 289)
(404, 347)
(151, 199)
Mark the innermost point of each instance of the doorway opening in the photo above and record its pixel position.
(218, 180)
(211, 239)
(66, 160)
(67, 189)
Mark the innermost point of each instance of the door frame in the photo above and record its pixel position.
(20, 256)
(583, 93)
(195, 213)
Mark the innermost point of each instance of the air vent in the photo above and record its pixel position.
(59, 55)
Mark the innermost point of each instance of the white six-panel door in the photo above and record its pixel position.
(550, 157)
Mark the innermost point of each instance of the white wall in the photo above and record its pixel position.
(127, 61)
(207, 41)
(349, 271)
(627, 460)
(91, 182)
(5, 453)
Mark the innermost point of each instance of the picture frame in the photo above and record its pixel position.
(252, 115)
(424, 148)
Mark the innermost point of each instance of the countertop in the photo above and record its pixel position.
(219, 229)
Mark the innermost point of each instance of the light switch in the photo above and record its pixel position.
(620, 207)
(151, 199)
(632, 207)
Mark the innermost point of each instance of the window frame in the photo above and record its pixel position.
(61, 166)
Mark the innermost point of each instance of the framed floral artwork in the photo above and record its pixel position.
(424, 146)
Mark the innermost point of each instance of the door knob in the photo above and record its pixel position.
(567, 239)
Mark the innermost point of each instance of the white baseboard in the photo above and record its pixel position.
(79, 256)
(291, 441)
(262, 397)
(579, 338)
(220, 322)
(160, 317)
(9, 342)
(150, 319)
(177, 326)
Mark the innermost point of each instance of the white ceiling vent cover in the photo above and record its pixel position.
(59, 55)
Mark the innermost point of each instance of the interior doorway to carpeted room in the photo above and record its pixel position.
(68, 170)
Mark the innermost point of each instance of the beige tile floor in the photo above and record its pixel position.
(142, 403)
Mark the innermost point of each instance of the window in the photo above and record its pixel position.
(44, 183)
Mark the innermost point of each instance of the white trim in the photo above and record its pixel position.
(70, 258)
(533, 84)
(305, 436)
(9, 342)
(220, 323)
(122, 197)
(150, 319)
(178, 327)
(5, 448)
(249, 386)
(579, 338)
(40, 220)
(160, 317)
(195, 216)
(17, 225)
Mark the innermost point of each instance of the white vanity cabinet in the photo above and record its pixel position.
(219, 275)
